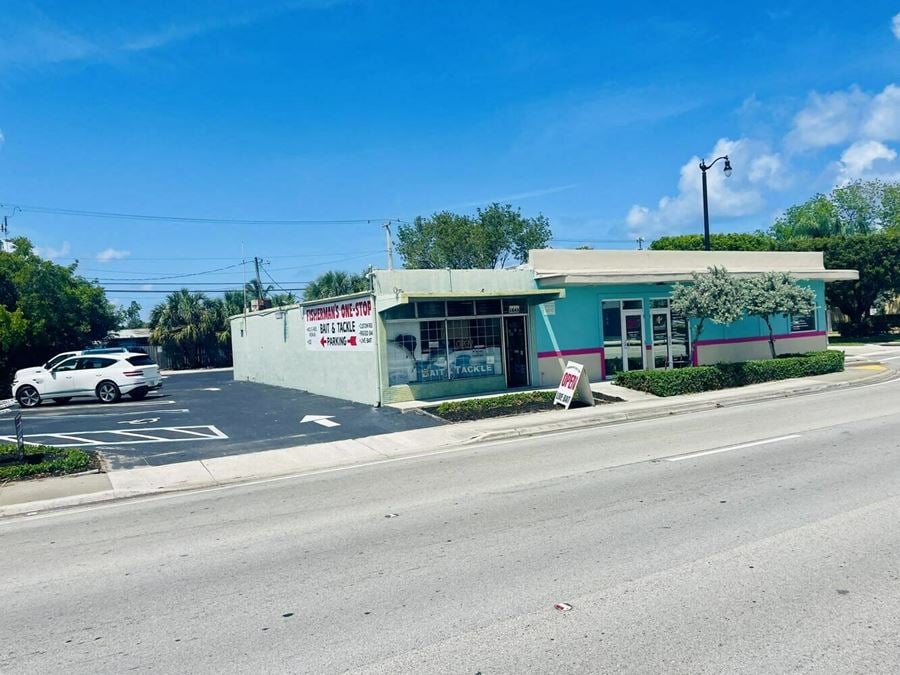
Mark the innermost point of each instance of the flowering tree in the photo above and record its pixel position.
(774, 293)
(715, 296)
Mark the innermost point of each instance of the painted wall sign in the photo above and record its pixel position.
(346, 326)
(573, 386)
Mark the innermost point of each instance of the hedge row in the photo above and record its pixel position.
(726, 375)
(43, 461)
(494, 406)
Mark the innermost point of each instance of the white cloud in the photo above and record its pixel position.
(895, 25)
(2, 138)
(147, 287)
(768, 169)
(52, 253)
(112, 254)
(754, 168)
(882, 120)
(860, 160)
(828, 119)
(845, 116)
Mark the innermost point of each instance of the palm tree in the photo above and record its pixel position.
(188, 325)
(256, 290)
(282, 299)
(333, 283)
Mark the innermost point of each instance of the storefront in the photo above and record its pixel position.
(427, 334)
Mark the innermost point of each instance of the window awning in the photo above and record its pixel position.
(534, 296)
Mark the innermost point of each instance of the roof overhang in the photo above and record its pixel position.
(593, 278)
(534, 296)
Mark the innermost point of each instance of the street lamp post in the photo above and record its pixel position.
(704, 167)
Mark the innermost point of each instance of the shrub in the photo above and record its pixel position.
(507, 404)
(43, 461)
(724, 375)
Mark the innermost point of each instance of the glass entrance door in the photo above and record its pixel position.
(516, 351)
(662, 338)
(633, 332)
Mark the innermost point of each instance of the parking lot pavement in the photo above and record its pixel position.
(204, 415)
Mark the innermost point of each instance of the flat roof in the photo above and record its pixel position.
(590, 267)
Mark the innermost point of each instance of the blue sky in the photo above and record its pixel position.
(594, 115)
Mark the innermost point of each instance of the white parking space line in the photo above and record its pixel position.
(704, 453)
(110, 437)
(186, 430)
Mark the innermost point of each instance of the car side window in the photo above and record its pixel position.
(94, 363)
(71, 364)
(57, 359)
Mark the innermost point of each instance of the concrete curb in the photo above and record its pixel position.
(677, 409)
(373, 449)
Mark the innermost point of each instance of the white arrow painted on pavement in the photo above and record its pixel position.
(324, 420)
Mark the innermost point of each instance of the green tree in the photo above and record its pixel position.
(860, 207)
(256, 290)
(283, 299)
(714, 296)
(736, 241)
(234, 302)
(130, 317)
(46, 308)
(333, 283)
(877, 258)
(490, 238)
(191, 327)
(772, 293)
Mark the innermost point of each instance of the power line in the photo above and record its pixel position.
(187, 274)
(237, 284)
(280, 288)
(124, 292)
(185, 219)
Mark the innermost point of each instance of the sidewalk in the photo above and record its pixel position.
(50, 493)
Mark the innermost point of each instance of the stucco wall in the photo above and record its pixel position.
(573, 331)
(264, 352)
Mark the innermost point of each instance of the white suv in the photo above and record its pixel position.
(104, 376)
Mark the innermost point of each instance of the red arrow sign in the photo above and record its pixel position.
(322, 341)
(352, 340)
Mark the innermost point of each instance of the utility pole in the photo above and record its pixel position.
(259, 288)
(390, 245)
(640, 243)
(5, 246)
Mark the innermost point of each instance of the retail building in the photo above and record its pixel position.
(425, 334)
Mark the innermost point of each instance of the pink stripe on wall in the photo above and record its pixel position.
(578, 352)
(570, 352)
(764, 338)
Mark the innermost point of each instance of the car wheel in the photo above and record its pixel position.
(28, 397)
(108, 392)
(139, 394)
(62, 400)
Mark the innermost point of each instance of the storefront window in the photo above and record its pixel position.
(475, 348)
(428, 310)
(437, 350)
(460, 308)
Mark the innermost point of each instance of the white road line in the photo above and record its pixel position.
(704, 453)
(893, 358)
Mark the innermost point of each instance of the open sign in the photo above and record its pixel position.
(573, 386)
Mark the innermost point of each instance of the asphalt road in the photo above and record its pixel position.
(772, 550)
(204, 415)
